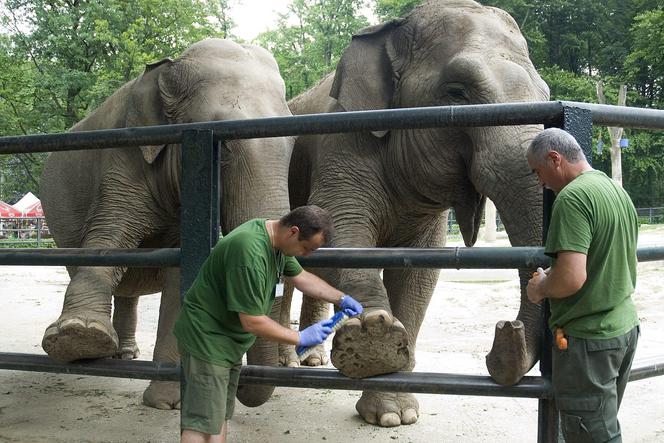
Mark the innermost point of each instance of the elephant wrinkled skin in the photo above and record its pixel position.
(130, 198)
(393, 188)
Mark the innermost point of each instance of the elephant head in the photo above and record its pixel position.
(449, 53)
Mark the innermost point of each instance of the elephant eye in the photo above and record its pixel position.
(456, 93)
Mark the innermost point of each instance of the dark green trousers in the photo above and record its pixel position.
(589, 380)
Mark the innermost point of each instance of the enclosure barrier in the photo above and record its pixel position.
(200, 221)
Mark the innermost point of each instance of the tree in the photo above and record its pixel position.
(645, 63)
(312, 47)
(61, 58)
(615, 134)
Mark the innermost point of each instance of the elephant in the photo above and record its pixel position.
(130, 198)
(395, 188)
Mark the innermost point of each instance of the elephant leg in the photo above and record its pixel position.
(312, 311)
(409, 292)
(84, 328)
(166, 394)
(287, 355)
(125, 313)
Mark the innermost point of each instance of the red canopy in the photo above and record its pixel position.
(8, 211)
(32, 211)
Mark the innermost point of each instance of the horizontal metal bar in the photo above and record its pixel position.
(547, 113)
(652, 367)
(437, 258)
(380, 258)
(622, 116)
(103, 367)
(438, 116)
(144, 258)
(417, 382)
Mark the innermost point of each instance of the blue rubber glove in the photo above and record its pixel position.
(315, 334)
(350, 306)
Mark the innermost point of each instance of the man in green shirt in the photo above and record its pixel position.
(592, 240)
(228, 304)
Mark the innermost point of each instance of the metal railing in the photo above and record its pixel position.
(200, 221)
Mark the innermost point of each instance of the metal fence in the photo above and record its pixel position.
(200, 221)
(17, 232)
(651, 216)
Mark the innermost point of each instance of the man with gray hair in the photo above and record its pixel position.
(592, 240)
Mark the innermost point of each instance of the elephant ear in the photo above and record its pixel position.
(365, 76)
(146, 107)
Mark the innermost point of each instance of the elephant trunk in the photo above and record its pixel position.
(266, 353)
(255, 184)
(254, 180)
(518, 198)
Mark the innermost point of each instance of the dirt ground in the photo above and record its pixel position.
(456, 335)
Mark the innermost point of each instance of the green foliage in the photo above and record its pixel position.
(645, 64)
(311, 48)
(643, 167)
(62, 58)
(389, 9)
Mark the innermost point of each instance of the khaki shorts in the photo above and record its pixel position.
(208, 394)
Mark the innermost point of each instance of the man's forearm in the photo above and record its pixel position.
(265, 327)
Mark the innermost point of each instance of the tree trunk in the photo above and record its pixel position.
(614, 133)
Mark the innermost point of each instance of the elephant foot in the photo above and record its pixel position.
(376, 344)
(76, 337)
(508, 361)
(388, 409)
(127, 352)
(288, 357)
(162, 395)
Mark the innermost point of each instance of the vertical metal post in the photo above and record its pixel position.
(199, 220)
(577, 122)
(199, 207)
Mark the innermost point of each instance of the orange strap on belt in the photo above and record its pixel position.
(561, 341)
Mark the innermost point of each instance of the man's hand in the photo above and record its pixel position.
(534, 289)
(315, 334)
(350, 306)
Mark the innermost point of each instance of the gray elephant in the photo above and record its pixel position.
(392, 189)
(130, 198)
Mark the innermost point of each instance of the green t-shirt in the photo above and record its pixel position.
(239, 275)
(594, 216)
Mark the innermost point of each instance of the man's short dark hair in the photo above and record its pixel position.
(310, 220)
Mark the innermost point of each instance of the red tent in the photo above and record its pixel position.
(8, 211)
(33, 211)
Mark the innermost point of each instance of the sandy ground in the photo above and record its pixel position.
(456, 335)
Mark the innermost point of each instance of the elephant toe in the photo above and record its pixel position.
(74, 338)
(288, 356)
(317, 357)
(375, 344)
(127, 351)
(388, 409)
